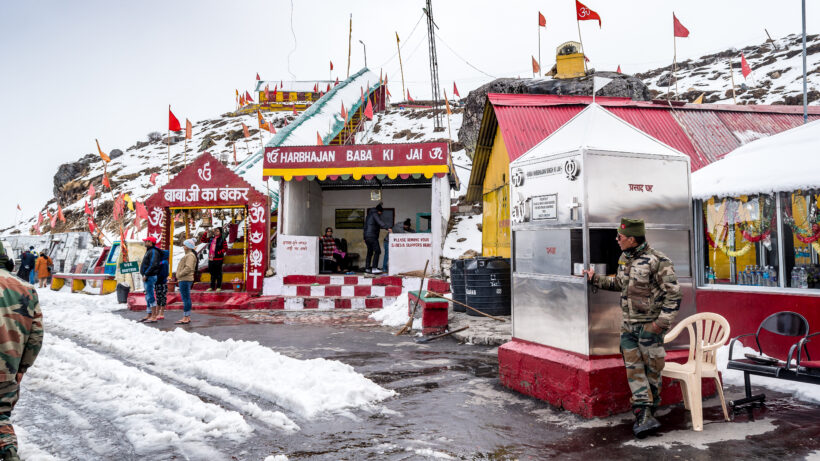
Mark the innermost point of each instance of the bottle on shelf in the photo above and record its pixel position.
(804, 278)
(773, 276)
(766, 274)
(795, 278)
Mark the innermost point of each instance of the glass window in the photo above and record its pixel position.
(740, 240)
(801, 238)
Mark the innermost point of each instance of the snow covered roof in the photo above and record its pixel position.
(323, 117)
(596, 128)
(293, 85)
(780, 163)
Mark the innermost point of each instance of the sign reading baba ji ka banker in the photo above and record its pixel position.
(391, 160)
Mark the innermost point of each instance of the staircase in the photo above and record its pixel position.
(348, 134)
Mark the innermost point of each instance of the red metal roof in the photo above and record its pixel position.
(705, 132)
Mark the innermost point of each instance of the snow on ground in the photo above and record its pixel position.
(277, 458)
(464, 236)
(394, 315)
(802, 391)
(169, 391)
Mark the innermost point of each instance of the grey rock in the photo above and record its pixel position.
(115, 153)
(625, 86)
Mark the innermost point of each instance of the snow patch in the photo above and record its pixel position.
(395, 314)
(464, 236)
(712, 433)
(801, 391)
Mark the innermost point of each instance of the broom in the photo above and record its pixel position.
(416, 305)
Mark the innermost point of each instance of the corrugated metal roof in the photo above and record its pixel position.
(705, 132)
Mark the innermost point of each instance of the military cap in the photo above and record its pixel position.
(632, 227)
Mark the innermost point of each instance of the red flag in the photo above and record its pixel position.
(387, 90)
(39, 220)
(331, 65)
(337, 81)
(344, 118)
(241, 100)
(60, 213)
(542, 21)
(91, 226)
(619, 69)
(87, 209)
(18, 205)
(315, 87)
(536, 69)
(585, 14)
(455, 90)
(271, 128)
(745, 69)
(91, 192)
(119, 203)
(677, 28)
(282, 84)
(141, 211)
(319, 140)
(105, 181)
(245, 130)
(53, 220)
(153, 178)
(173, 123)
(294, 110)
(368, 111)
(409, 98)
(122, 243)
(328, 88)
(257, 76)
(189, 129)
(248, 97)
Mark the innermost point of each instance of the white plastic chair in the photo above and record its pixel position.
(707, 332)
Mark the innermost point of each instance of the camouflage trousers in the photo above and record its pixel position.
(644, 355)
(9, 393)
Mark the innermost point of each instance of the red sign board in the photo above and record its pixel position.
(357, 160)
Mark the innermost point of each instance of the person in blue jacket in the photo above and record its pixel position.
(150, 269)
(161, 287)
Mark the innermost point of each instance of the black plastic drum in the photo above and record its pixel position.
(487, 285)
(457, 284)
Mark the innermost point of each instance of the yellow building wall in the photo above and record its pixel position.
(495, 232)
(569, 66)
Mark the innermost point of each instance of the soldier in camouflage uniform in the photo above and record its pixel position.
(650, 300)
(21, 336)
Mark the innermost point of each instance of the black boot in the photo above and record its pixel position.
(645, 422)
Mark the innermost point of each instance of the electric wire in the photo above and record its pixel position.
(294, 40)
(403, 42)
(459, 56)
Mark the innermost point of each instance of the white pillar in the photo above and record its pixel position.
(439, 216)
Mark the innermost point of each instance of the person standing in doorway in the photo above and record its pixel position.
(185, 277)
(372, 227)
(22, 321)
(42, 267)
(149, 269)
(217, 248)
(650, 300)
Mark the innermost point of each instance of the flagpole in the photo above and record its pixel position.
(732, 75)
(539, 46)
(401, 67)
(675, 63)
(169, 147)
(583, 50)
(185, 148)
(349, 38)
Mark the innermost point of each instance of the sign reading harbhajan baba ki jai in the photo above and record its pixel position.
(391, 159)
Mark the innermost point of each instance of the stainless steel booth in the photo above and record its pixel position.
(565, 208)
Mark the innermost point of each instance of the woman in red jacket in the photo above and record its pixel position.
(217, 247)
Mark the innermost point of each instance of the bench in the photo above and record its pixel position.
(784, 324)
(79, 281)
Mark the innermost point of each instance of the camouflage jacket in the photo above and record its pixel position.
(21, 326)
(648, 285)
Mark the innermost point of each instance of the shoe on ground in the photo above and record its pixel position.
(376, 271)
(210, 289)
(368, 271)
(645, 423)
(219, 290)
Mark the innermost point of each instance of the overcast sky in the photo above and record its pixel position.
(78, 70)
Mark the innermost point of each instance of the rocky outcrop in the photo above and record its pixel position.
(65, 181)
(622, 85)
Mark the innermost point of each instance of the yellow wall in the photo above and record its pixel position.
(569, 66)
(496, 219)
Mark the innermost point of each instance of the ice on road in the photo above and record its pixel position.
(130, 389)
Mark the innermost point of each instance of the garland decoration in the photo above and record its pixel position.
(810, 235)
(736, 253)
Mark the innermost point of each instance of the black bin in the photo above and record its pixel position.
(122, 293)
(457, 284)
(487, 285)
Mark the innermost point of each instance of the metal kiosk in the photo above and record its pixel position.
(567, 196)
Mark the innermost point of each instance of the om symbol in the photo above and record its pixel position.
(205, 172)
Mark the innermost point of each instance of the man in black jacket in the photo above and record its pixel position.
(149, 269)
(372, 226)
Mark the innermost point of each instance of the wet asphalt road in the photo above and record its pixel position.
(450, 403)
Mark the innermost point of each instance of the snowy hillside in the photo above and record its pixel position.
(776, 78)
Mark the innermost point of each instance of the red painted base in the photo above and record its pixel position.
(589, 386)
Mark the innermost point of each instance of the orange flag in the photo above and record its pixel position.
(245, 130)
(60, 215)
(447, 103)
(241, 100)
(319, 140)
(368, 111)
(189, 129)
(52, 219)
(536, 69)
(18, 207)
(105, 158)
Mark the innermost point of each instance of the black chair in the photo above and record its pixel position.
(326, 266)
(784, 323)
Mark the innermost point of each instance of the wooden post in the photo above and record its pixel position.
(349, 39)
(401, 67)
(732, 75)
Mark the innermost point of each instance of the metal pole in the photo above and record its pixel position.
(365, 52)
(805, 90)
(675, 63)
(732, 75)
(581, 40)
(539, 49)
(349, 38)
(431, 38)
(401, 67)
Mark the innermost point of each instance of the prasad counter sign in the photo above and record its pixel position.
(390, 160)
